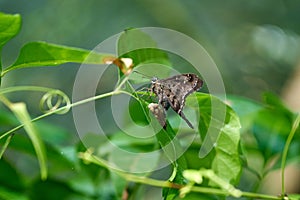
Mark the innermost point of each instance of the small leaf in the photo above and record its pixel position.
(193, 175)
(45, 54)
(9, 27)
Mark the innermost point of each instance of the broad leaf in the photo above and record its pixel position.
(224, 157)
(36, 54)
(141, 48)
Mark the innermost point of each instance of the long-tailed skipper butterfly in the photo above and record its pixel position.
(172, 92)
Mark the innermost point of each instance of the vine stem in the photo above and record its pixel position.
(66, 107)
(61, 109)
(89, 158)
(285, 152)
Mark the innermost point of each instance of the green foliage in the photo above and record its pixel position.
(225, 158)
(269, 124)
(39, 54)
(9, 27)
(20, 111)
(211, 165)
(140, 47)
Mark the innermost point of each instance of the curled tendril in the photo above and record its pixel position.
(55, 100)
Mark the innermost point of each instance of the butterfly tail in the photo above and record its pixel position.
(186, 120)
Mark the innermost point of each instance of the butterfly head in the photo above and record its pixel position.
(154, 79)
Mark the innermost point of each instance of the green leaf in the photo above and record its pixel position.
(52, 134)
(20, 110)
(271, 128)
(119, 183)
(60, 156)
(11, 178)
(36, 54)
(6, 194)
(7, 119)
(137, 112)
(246, 109)
(141, 48)
(224, 158)
(274, 102)
(51, 189)
(227, 163)
(133, 39)
(266, 126)
(294, 196)
(164, 138)
(9, 27)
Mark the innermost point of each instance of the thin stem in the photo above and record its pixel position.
(58, 110)
(24, 88)
(67, 107)
(87, 156)
(5, 101)
(260, 196)
(6, 145)
(36, 88)
(122, 83)
(285, 152)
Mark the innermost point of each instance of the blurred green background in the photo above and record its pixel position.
(255, 44)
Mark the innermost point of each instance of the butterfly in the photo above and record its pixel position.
(172, 92)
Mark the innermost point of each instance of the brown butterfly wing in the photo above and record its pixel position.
(174, 90)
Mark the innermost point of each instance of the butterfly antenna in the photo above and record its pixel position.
(144, 88)
(143, 75)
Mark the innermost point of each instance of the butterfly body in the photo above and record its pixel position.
(172, 92)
